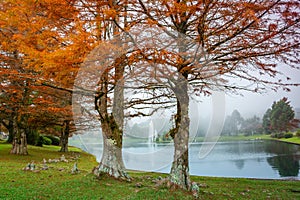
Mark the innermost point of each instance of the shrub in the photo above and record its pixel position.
(55, 140)
(43, 140)
(288, 135)
(298, 133)
(247, 133)
(277, 135)
(47, 141)
(273, 135)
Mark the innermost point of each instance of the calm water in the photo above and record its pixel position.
(254, 159)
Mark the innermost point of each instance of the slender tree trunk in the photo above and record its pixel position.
(19, 143)
(64, 138)
(179, 175)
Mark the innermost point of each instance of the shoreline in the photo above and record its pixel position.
(253, 137)
(289, 142)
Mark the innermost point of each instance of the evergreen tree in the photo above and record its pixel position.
(266, 121)
(281, 116)
(232, 123)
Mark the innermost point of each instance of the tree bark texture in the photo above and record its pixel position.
(179, 175)
(112, 127)
(64, 138)
(19, 143)
(111, 162)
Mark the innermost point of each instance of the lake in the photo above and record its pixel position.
(250, 159)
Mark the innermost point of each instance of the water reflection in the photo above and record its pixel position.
(239, 164)
(282, 157)
(286, 160)
(252, 159)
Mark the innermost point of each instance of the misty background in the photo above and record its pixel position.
(256, 104)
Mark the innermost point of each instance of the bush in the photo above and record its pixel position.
(298, 133)
(278, 135)
(55, 140)
(47, 141)
(288, 135)
(43, 140)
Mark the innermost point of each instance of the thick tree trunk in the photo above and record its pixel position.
(64, 137)
(179, 175)
(64, 140)
(111, 162)
(19, 143)
(112, 127)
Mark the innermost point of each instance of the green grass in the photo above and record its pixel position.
(235, 138)
(59, 183)
(294, 140)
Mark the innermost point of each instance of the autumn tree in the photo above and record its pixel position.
(218, 44)
(33, 45)
(54, 115)
(239, 40)
(103, 82)
(224, 45)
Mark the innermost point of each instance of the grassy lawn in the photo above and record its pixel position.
(294, 140)
(59, 183)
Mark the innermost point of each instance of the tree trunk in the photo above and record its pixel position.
(112, 127)
(179, 175)
(64, 138)
(112, 123)
(111, 161)
(112, 132)
(19, 143)
(10, 129)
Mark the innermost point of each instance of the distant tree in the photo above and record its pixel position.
(266, 121)
(232, 123)
(281, 116)
(236, 120)
(226, 127)
(251, 126)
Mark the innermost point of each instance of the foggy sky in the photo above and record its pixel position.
(256, 104)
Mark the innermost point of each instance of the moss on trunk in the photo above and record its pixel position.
(179, 175)
(111, 162)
